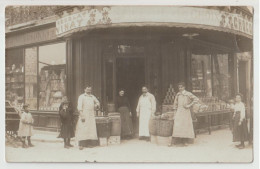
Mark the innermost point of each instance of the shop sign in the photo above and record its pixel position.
(147, 15)
(31, 37)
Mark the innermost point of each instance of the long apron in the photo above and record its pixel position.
(87, 130)
(183, 126)
(145, 115)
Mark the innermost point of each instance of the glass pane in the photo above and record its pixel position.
(15, 77)
(221, 77)
(31, 77)
(201, 75)
(52, 77)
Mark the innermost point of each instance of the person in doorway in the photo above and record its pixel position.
(123, 107)
(240, 130)
(86, 130)
(145, 109)
(66, 118)
(25, 126)
(183, 126)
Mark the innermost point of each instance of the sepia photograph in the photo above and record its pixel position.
(138, 84)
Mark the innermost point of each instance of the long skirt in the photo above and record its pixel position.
(67, 131)
(126, 122)
(240, 132)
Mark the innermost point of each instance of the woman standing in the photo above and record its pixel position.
(123, 107)
(240, 131)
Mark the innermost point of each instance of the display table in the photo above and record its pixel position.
(214, 118)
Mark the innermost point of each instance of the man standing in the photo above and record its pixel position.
(145, 108)
(86, 131)
(183, 126)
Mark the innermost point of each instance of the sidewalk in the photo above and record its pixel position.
(217, 147)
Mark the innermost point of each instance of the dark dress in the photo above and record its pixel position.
(123, 107)
(240, 132)
(66, 118)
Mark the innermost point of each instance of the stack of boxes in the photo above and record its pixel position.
(168, 100)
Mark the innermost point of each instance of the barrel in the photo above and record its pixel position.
(103, 126)
(115, 120)
(111, 107)
(165, 128)
(153, 125)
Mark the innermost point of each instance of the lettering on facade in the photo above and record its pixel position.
(185, 15)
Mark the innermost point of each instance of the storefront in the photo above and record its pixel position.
(127, 47)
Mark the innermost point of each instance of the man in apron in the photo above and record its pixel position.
(183, 126)
(145, 108)
(86, 131)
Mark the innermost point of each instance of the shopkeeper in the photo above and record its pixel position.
(86, 130)
(183, 126)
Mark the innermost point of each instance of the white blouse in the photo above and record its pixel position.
(241, 108)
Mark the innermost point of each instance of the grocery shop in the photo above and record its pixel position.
(58, 51)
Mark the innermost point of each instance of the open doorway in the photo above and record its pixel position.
(130, 75)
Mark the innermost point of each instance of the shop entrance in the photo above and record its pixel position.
(130, 75)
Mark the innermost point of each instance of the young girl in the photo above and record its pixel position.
(66, 117)
(25, 126)
(240, 131)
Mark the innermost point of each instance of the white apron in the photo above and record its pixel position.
(145, 114)
(86, 130)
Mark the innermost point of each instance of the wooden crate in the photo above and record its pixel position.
(113, 140)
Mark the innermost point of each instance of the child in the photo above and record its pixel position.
(66, 118)
(25, 126)
(240, 131)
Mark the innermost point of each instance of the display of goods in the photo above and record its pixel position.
(113, 140)
(165, 128)
(103, 141)
(103, 126)
(153, 139)
(167, 108)
(115, 125)
(111, 107)
(153, 125)
(164, 141)
(169, 97)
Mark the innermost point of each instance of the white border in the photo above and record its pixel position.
(253, 3)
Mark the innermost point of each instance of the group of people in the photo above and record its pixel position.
(85, 131)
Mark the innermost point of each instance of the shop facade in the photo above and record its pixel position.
(108, 48)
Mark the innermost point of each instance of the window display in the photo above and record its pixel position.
(201, 75)
(221, 77)
(15, 77)
(52, 76)
(31, 77)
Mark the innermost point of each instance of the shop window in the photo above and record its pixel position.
(52, 77)
(31, 77)
(221, 77)
(15, 77)
(201, 75)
